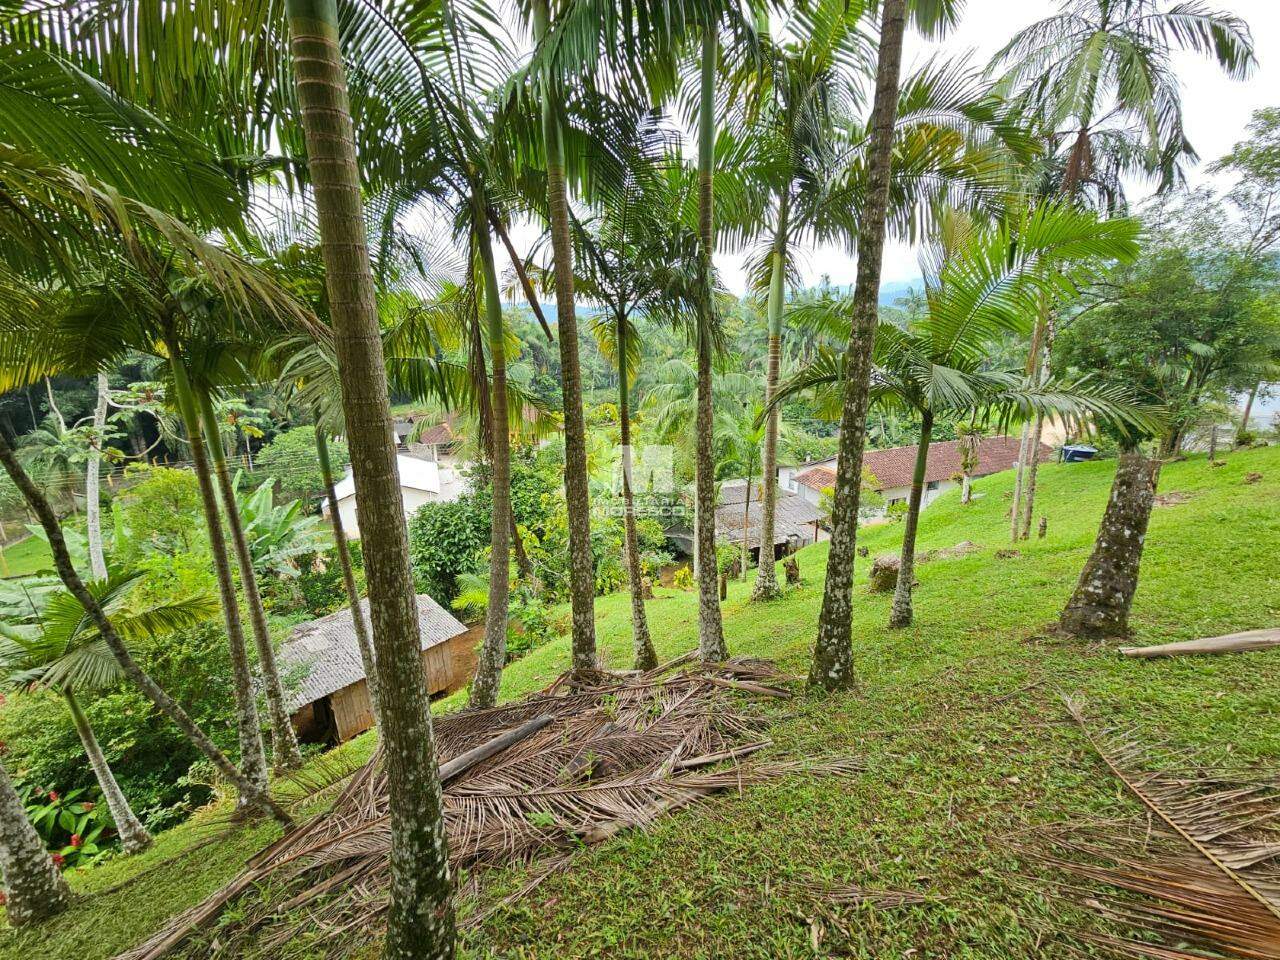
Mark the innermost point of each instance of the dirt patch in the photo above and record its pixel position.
(961, 549)
(1252, 477)
(1008, 554)
(1172, 499)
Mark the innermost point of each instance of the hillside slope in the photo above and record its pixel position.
(958, 721)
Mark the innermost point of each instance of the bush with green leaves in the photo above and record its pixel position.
(290, 461)
(74, 825)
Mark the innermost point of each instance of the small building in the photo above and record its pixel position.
(330, 702)
(796, 522)
(421, 481)
(893, 469)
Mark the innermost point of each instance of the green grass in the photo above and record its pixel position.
(26, 557)
(958, 721)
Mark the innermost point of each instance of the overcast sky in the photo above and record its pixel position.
(1215, 109)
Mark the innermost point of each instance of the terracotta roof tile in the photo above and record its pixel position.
(894, 467)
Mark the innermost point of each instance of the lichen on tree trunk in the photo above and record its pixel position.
(92, 485)
(420, 919)
(582, 578)
(711, 645)
(1100, 605)
(832, 666)
(900, 614)
(34, 889)
(133, 835)
(343, 552)
(766, 585)
(493, 652)
(644, 657)
(285, 754)
(253, 761)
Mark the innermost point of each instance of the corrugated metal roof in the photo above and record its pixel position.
(326, 655)
(791, 515)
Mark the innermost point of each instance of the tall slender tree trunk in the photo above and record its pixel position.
(493, 653)
(133, 835)
(766, 586)
(92, 484)
(832, 667)
(900, 614)
(1042, 374)
(645, 657)
(253, 760)
(582, 577)
(285, 754)
(44, 512)
(1248, 407)
(358, 622)
(1025, 447)
(710, 626)
(420, 921)
(34, 889)
(1100, 605)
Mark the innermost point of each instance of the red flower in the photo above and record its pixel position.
(75, 840)
(53, 796)
(59, 860)
(4, 898)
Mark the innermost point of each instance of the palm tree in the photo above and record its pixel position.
(420, 923)
(832, 667)
(71, 579)
(744, 443)
(34, 889)
(88, 228)
(1099, 80)
(981, 283)
(59, 649)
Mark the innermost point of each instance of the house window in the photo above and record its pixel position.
(932, 485)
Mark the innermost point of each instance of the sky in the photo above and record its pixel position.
(1215, 108)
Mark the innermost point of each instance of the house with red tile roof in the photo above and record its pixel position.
(893, 469)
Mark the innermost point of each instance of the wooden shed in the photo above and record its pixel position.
(321, 666)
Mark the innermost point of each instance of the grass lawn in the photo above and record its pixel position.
(959, 723)
(26, 557)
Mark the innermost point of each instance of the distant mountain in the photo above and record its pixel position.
(892, 292)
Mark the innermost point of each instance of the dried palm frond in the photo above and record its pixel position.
(592, 755)
(1200, 878)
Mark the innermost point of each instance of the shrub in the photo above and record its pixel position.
(290, 460)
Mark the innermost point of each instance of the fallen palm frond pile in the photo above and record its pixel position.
(1198, 878)
(593, 755)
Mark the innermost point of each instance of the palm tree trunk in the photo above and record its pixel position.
(1100, 605)
(1248, 407)
(766, 587)
(582, 578)
(1024, 446)
(348, 574)
(285, 754)
(645, 657)
(39, 504)
(1033, 468)
(93, 479)
(832, 666)
(493, 653)
(1042, 373)
(710, 626)
(253, 760)
(746, 521)
(420, 921)
(133, 835)
(34, 889)
(900, 614)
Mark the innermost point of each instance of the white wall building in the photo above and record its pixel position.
(421, 481)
